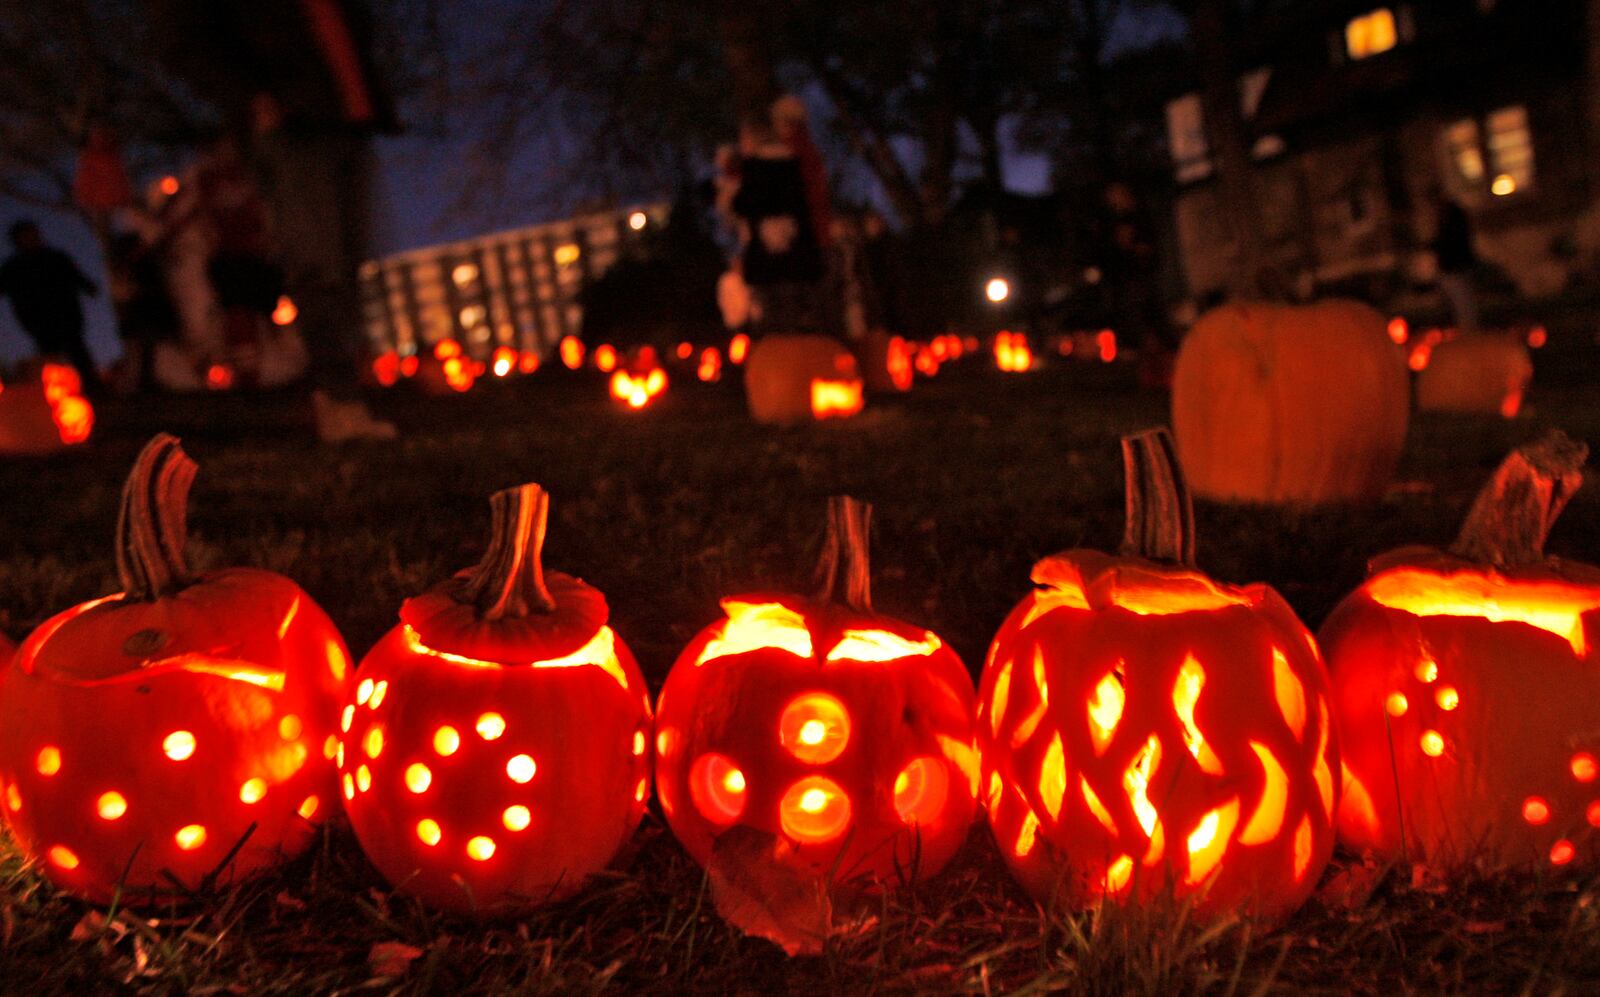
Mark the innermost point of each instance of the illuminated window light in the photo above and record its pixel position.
(48, 761)
(464, 274)
(253, 790)
(516, 818)
(1447, 698)
(1371, 34)
(490, 726)
(638, 220)
(521, 768)
(418, 777)
(428, 832)
(190, 837)
(290, 727)
(1503, 185)
(1535, 810)
(1584, 767)
(178, 745)
(480, 848)
(62, 856)
(110, 806)
(446, 741)
(814, 727)
(1396, 704)
(566, 254)
(308, 807)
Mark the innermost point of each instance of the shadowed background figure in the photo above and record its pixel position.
(45, 285)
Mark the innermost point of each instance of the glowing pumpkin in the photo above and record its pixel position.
(178, 732)
(1145, 728)
(1467, 688)
(495, 752)
(1302, 405)
(1486, 374)
(43, 417)
(782, 370)
(843, 731)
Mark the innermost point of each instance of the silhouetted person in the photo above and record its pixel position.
(44, 285)
(782, 261)
(1452, 248)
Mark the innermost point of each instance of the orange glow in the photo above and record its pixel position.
(1027, 835)
(1592, 814)
(1267, 821)
(521, 768)
(253, 790)
(571, 352)
(1185, 694)
(480, 849)
(349, 786)
(1537, 337)
(1511, 404)
(1105, 710)
(459, 373)
(638, 390)
(372, 744)
(1053, 777)
(1562, 852)
(710, 368)
(284, 312)
(1210, 839)
(600, 652)
(964, 756)
(1303, 844)
(1432, 743)
(925, 362)
(491, 726)
(1119, 874)
(1584, 768)
(178, 745)
(920, 791)
(1427, 671)
(169, 185)
(1554, 607)
(418, 777)
(290, 727)
(880, 645)
(346, 718)
(756, 626)
(379, 691)
(1396, 704)
(1106, 342)
(1447, 698)
(738, 349)
(1321, 771)
(1000, 698)
(1136, 782)
(48, 761)
(685, 350)
(1399, 330)
(898, 363)
(1290, 693)
(1535, 810)
(190, 837)
(110, 806)
(527, 362)
(605, 358)
(835, 399)
(815, 809)
(308, 807)
(446, 740)
(62, 856)
(717, 788)
(446, 349)
(641, 790)
(409, 365)
(219, 377)
(1359, 801)
(516, 818)
(638, 742)
(13, 797)
(428, 832)
(504, 361)
(59, 381)
(363, 778)
(1031, 722)
(1012, 353)
(1092, 800)
(815, 728)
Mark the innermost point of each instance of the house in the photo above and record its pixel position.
(1361, 117)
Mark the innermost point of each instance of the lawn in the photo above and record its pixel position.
(973, 477)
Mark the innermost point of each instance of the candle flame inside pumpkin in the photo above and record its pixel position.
(756, 626)
(1553, 607)
(600, 652)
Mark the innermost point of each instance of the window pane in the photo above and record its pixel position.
(1510, 150)
(1461, 138)
(1370, 33)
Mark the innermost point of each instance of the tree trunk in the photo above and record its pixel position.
(1219, 94)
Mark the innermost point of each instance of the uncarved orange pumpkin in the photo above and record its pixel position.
(1482, 374)
(1144, 728)
(1467, 686)
(1290, 404)
(495, 751)
(840, 731)
(44, 415)
(782, 372)
(179, 732)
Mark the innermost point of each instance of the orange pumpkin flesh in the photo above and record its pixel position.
(212, 702)
(844, 732)
(1144, 728)
(1466, 690)
(495, 753)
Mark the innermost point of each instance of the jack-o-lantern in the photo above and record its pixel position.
(1467, 687)
(1487, 374)
(841, 731)
(1145, 728)
(42, 416)
(496, 750)
(783, 375)
(179, 732)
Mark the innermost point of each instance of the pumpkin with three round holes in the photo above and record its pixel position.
(843, 734)
(495, 751)
(1468, 689)
(178, 734)
(1148, 732)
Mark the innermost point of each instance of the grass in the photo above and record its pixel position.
(973, 477)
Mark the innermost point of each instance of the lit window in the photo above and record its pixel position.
(1466, 151)
(1510, 150)
(1186, 138)
(1371, 34)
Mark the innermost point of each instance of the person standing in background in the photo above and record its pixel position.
(1457, 259)
(297, 78)
(45, 285)
(782, 262)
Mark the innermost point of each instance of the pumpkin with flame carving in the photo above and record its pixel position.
(845, 735)
(177, 734)
(1144, 728)
(495, 752)
(1468, 689)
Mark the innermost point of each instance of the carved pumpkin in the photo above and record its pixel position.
(782, 372)
(1272, 403)
(47, 415)
(1486, 374)
(825, 724)
(886, 361)
(1466, 687)
(1146, 728)
(495, 751)
(179, 731)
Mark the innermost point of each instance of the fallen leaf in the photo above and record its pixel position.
(89, 926)
(758, 888)
(1352, 885)
(392, 958)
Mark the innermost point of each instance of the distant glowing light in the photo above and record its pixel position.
(1535, 810)
(285, 311)
(1399, 330)
(638, 220)
(490, 726)
(178, 745)
(521, 768)
(516, 818)
(1584, 767)
(190, 837)
(480, 848)
(418, 777)
(997, 289)
(48, 761)
(428, 832)
(1432, 743)
(1503, 185)
(1396, 704)
(446, 740)
(169, 185)
(1447, 697)
(110, 806)
(253, 790)
(567, 254)
(738, 348)
(62, 856)
(1562, 852)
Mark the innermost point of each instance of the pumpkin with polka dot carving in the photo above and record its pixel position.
(1467, 687)
(495, 752)
(843, 734)
(177, 734)
(1148, 731)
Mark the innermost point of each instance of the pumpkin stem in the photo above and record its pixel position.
(509, 581)
(1512, 515)
(1160, 513)
(152, 521)
(844, 553)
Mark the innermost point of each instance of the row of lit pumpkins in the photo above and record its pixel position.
(1139, 728)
